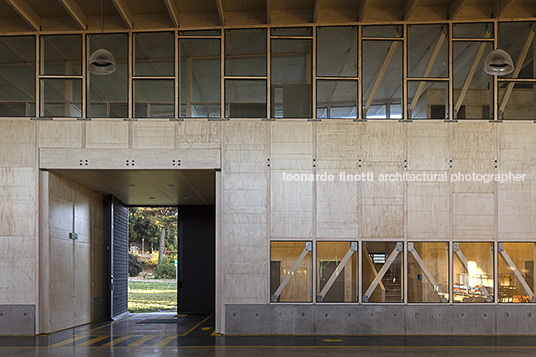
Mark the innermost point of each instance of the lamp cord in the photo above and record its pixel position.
(102, 24)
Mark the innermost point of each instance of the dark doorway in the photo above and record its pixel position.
(118, 257)
(197, 259)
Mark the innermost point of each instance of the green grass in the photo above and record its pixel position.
(151, 296)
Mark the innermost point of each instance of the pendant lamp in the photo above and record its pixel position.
(498, 62)
(101, 62)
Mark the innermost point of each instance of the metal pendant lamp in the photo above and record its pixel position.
(498, 62)
(101, 62)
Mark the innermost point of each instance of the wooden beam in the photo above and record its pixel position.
(219, 4)
(268, 12)
(27, 12)
(501, 6)
(316, 8)
(363, 4)
(173, 12)
(409, 6)
(454, 8)
(124, 11)
(76, 13)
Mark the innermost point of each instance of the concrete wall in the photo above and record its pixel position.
(258, 206)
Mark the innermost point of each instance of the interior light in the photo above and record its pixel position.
(498, 63)
(101, 62)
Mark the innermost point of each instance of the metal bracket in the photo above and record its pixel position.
(400, 246)
(176, 119)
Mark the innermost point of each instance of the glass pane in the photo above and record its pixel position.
(377, 112)
(339, 97)
(482, 30)
(427, 100)
(516, 100)
(62, 55)
(336, 54)
(110, 92)
(61, 98)
(283, 256)
(154, 98)
(428, 272)
(245, 98)
(472, 86)
(200, 33)
(17, 76)
(395, 111)
(291, 78)
(293, 31)
(473, 272)
(154, 54)
(245, 52)
(513, 38)
(516, 272)
(331, 287)
(382, 74)
(428, 51)
(199, 77)
(382, 31)
(389, 287)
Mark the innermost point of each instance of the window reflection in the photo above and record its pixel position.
(473, 272)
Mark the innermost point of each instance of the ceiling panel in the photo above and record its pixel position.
(149, 187)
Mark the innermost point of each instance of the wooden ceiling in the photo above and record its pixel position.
(22, 16)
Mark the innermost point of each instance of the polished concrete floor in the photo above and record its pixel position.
(165, 334)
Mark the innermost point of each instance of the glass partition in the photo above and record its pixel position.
(427, 99)
(428, 272)
(245, 98)
(291, 278)
(336, 51)
(382, 77)
(108, 95)
(291, 78)
(472, 86)
(473, 272)
(336, 99)
(428, 51)
(17, 76)
(61, 98)
(336, 272)
(516, 272)
(518, 39)
(245, 52)
(516, 100)
(292, 31)
(61, 55)
(154, 98)
(383, 272)
(200, 77)
(154, 54)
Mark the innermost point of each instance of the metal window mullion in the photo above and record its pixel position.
(61, 77)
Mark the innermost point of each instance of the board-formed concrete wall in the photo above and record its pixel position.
(257, 205)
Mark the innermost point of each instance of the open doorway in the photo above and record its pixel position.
(152, 259)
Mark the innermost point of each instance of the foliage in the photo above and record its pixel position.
(134, 265)
(151, 296)
(146, 223)
(165, 270)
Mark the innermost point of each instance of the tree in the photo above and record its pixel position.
(155, 225)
